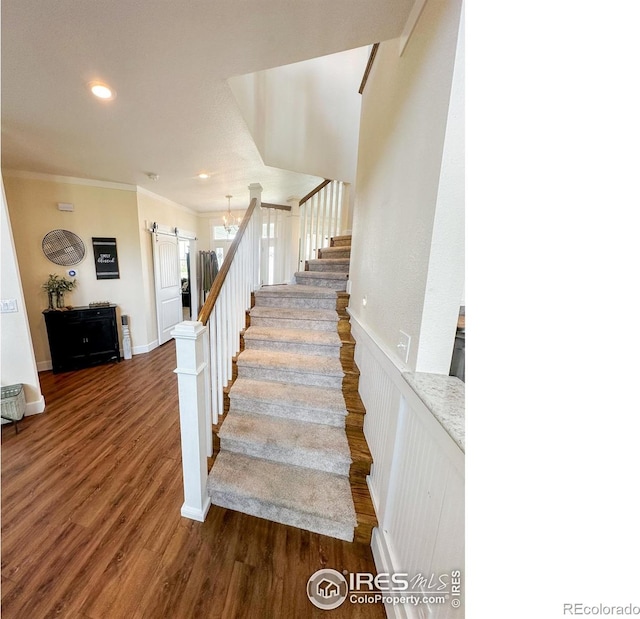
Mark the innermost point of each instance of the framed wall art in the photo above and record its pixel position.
(105, 253)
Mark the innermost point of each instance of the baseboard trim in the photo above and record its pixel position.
(141, 350)
(196, 514)
(31, 408)
(35, 408)
(373, 495)
(385, 564)
(43, 366)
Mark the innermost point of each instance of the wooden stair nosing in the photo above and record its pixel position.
(360, 452)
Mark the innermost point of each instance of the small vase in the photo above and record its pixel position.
(50, 295)
(60, 300)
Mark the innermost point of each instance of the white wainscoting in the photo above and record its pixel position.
(416, 481)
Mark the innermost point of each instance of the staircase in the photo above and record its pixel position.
(290, 447)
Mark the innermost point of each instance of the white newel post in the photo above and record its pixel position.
(293, 263)
(192, 360)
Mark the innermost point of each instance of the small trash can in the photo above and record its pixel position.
(457, 360)
(13, 403)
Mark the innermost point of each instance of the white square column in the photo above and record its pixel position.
(192, 360)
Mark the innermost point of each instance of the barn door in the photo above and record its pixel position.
(166, 268)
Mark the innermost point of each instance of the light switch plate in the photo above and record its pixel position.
(9, 305)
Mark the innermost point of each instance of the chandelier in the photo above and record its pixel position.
(231, 224)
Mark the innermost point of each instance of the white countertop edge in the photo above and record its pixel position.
(444, 397)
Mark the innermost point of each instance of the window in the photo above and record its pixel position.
(220, 234)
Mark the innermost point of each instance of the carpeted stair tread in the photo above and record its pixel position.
(278, 320)
(299, 302)
(292, 290)
(303, 364)
(328, 315)
(300, 443)
(340, 265)
(300, 341)
(341, 241)
(313, 275)
(328, 279)
(341, 251)
(301, 336)
(302, 497)
(282, 394)
(336, 249)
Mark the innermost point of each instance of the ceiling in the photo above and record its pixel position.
(168, 60)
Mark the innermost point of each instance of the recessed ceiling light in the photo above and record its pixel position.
(203, 175)
(102, 91)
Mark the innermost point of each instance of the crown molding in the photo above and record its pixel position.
(155, 196)
(69, 180)
(90, 182)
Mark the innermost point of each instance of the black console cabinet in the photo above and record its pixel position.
(82, 337)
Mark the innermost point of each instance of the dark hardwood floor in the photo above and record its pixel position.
(91, 525)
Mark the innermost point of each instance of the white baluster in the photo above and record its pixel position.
(296, 236)
(206, 341)
(326, 199)
(215, 376)
(218, 354)
(227, 336)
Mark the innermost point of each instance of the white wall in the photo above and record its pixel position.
(405, 109)
(17, 363)
(445, 280)
(305, 116)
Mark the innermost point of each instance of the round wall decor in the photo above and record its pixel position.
(63, 247)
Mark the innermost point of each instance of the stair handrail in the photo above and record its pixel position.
(313, 192)
(372, 57)
(216, 287)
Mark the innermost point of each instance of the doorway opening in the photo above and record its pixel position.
(186, 277)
